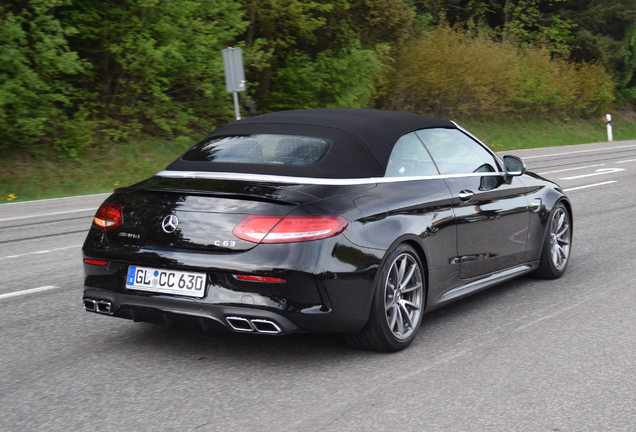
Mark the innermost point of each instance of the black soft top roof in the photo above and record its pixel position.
(362, 140)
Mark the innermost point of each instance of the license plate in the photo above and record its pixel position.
(166, 281)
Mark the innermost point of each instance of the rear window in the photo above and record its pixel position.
(260, 149)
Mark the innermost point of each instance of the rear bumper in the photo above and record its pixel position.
(247, 313)
(333, 303)
(327, 288)
(209, 317)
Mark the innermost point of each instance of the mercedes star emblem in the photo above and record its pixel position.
(170, 223)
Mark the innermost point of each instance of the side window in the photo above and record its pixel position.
(455, 152)
(410, 158)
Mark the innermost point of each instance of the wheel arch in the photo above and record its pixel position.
(548, 271)
(378, 334)
(566, 202)
(548, 213)
(416, 243)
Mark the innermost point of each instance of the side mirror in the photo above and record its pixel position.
(514, 167)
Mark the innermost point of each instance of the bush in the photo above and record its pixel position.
(555, 88)
(447, 72)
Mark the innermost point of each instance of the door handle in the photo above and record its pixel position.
(465, 194)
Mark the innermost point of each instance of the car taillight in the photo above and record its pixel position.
(108, 217)
(288, 229)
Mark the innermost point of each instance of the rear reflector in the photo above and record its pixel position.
(253, 278)
(288, 229)
(95, 262)
(108, 217)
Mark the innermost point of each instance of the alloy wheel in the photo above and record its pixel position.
(560, 238)
(404, 294)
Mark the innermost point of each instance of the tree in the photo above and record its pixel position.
(157, 62)
(606, 32)
(533, 21)
(321, 53)
(36, 67)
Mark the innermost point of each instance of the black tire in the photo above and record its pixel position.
(398, 304)
(557, 244)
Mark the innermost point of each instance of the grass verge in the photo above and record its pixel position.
(100, 169)
(106, 167)
(502, 136)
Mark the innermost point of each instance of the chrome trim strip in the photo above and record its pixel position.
(262, 178)
(311, 180)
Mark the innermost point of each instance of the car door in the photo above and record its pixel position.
(492, 216)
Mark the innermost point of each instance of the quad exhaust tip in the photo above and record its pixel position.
(239, 324)
(99, 306)
(253, 325)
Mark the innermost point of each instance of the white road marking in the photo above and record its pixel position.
(597, 172)
(589, 186)
(92, 209)
(56, 199)
(570, 169)
(40, 252)
(625, 161)
(579, 151)
(29, 291)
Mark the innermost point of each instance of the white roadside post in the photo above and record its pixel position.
(234, 75)
(608, 118)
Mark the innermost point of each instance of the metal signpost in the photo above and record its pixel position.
(234, 74)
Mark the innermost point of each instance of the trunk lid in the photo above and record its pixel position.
(197, 214)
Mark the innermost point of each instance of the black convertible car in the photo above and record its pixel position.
(330, 220)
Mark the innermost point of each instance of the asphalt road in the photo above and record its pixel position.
(527, 355)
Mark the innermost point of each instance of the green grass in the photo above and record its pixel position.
(106, 167)
(502, 136)
(99, 169)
